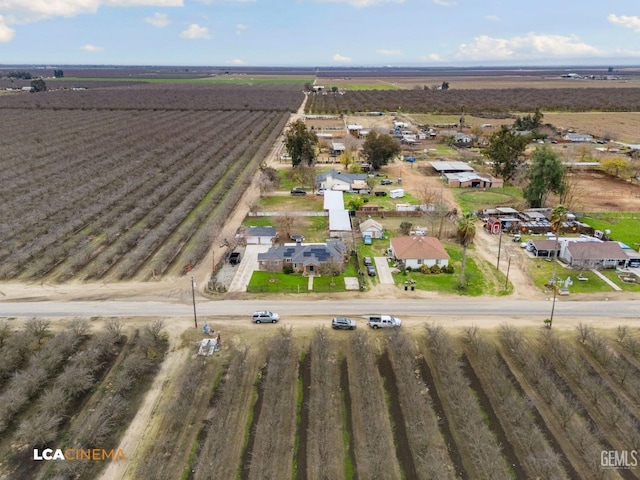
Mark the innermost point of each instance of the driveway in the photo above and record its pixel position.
(248, 264)
(384, 272)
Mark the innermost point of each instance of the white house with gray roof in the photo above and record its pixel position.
(335, 180)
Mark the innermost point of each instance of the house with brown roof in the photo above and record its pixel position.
(416, 250)
(594, 255)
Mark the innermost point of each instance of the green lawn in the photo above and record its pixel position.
(267, 282)
(541, 273)
(476, 199)
(625, 227)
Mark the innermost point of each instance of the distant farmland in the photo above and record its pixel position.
(98, 185)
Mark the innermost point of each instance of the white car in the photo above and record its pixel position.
(265, 316)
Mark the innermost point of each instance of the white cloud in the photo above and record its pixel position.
(432, 57)
(241, 27)
(6, 33)
(626, 21)
(361, 3)
(341, 58)
(236, 61)
(492, 18)
(386, 51)
(531, 46)
(27, 11)
(91, 48)
(195, 32)
(445, 3)
(159, 20)
(209, 2)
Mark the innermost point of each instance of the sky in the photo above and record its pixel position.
(315, 33)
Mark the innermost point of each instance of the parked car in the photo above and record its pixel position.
(383, 321)
(367, 261)
(342, 323)
(386, 181)
(371, 271)
(298, 191)
(234, 258)
(380, 194)
(265, 316)
(321, 191)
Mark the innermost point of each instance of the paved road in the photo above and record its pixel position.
(405, 307)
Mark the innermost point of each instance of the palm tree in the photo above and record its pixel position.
(466, 233)
(557, 218)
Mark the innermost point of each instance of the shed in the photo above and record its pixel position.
(372, 228)
(260, 235)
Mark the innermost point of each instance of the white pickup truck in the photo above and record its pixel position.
(383, 321)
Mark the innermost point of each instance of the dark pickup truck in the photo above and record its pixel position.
(234, 258)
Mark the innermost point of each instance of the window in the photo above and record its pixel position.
(438, 261)
(287, 260)
(420, 261)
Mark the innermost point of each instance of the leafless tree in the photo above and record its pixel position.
(38, 327)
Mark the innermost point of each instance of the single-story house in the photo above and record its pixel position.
(372, 228)
(335, 180)
(543, 248)
(473, 180)
(260, 235)
(416, 251)
(578, 137)
(369, 208)
(307, 259)
(462, 138)
(594, 255)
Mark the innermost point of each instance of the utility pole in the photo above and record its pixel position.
(193, 294)
(499, 246)
(506, 282)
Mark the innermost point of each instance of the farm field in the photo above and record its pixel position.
(123, 194)
(71, 387)
(421, 402)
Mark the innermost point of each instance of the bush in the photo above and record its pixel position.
(436, 269)
(425, 269)
(288, 270)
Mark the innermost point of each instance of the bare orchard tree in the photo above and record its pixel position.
(38, 327)
(5, 331)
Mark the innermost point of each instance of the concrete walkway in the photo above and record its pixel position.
(606, 280)
(384, 272)
(248, 264)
